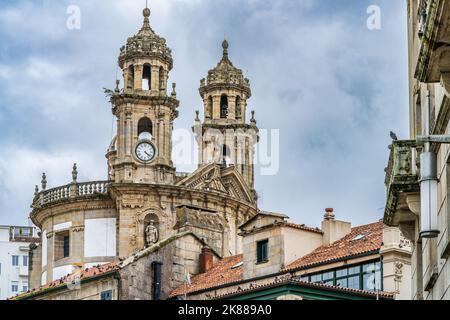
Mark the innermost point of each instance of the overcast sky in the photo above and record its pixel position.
(333, 87)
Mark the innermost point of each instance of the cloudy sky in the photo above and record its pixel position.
(333, 87)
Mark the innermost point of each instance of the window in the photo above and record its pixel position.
(15, 261)
(62, 245)
(145, 129)
(106, 295)
(25, 261)
(223, 106)
(147, 77)
(366, 276)
(226, 155)
(25, 286)
(66, 246)
(14, 287)
(262, 251)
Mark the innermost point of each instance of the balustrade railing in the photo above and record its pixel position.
(69, 191)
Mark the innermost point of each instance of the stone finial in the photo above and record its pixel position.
(253, 120)
(329, 214)
(174, 92)
(146, 13)
(36, 190)
(44, 181)
(74, 173)
(197, 118)
(117, 86)
(225, 46)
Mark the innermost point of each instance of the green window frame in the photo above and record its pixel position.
(366, 276)
(262, 251)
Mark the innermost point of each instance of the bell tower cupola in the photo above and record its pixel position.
(225, 137)
(141, 152)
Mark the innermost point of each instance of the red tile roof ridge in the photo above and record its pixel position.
(253, 287)
(80, 274)
(345, 247)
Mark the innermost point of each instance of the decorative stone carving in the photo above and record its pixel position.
(151, 233)
(398, 271)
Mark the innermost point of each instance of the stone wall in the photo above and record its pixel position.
(178, 257)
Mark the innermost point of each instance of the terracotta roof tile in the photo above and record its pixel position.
(225, 271)
(371, 238)
(81, 274)
(303, 227)
(255, 287)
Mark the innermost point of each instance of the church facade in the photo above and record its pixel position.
(144, 200)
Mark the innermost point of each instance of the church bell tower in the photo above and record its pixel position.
(224, 137)
(141, 151)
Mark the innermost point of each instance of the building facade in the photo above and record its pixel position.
(144, 231)
(14, 261)
(417, 192)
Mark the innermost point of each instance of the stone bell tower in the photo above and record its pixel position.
(225, 137)
(141, 152)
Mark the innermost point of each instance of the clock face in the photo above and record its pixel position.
(145, 151)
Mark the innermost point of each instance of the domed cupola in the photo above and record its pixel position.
(146, 61)
(225, 75)
(146, 44)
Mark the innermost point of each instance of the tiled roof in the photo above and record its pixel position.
(306, 284)
(371, 238)
(303, 227)
(230, 270)
(225, 271)
(79, 275)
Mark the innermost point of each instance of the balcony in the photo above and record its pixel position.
(402, 183)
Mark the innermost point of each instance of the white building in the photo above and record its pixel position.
(14, 247)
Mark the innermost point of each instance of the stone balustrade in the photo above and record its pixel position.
(69, 191)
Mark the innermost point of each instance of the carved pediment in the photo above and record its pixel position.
(215, 178)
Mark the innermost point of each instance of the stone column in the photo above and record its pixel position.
(154, 86)
(138, 69)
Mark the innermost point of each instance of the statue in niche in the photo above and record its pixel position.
(151, 233)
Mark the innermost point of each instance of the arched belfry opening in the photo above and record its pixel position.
(145, 129)
(223, 106)
(146, 77)
(130, 81)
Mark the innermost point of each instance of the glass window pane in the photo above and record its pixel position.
(354, 270)
(341, 273)
(372, 282)
(328, 275)
(369, 267)
(316, 278)
(342, 283)
(353, 282)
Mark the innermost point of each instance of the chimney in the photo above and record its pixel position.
(333, 229)
(206, 260)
